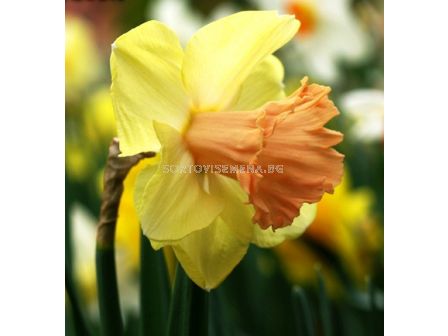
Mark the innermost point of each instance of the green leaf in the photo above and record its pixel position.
(324, 306)
(302, 312)
(79, 322)
(372, 306)
(220, 321)
(110, 313)
(189, 308)
(154, 290)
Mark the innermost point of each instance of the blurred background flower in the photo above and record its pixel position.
(365, 109)
(184, 19)
(330, 33)
(340, 43)
(81, 58)
(345, 228)
(98, 115)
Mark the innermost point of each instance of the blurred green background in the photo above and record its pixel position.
(340, 44)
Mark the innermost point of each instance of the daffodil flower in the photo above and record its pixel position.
(221, 102)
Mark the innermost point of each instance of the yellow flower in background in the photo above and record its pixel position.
(99, 119)
(330, 34)
(81, 57)
(299, 262)
(87, 140)
(220, 102)
(345, 225)
(77, 164)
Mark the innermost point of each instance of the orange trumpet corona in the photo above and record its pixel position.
(289, 133)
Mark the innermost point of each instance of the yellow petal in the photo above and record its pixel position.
(209, 255)
(146, 85)
(264, 84)
(221, 55)
(237, 213)
(170, 203)
(269, 238)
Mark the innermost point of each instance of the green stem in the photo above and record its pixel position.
(114, 174)
(372, 311)
(110, 313)
(199, 319)
(189, 308)
(154, 290)
(302, 312)
(219, 320)
(324, 306)
(80, 325)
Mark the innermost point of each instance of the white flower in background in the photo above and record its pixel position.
(183, 19)
(330, 33)
(365, 107)
(177, 15)
(83, 230)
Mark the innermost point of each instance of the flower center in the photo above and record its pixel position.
(289, 134)
(305, 12)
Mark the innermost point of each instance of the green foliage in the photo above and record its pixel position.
(110, 312)
(154, 291)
